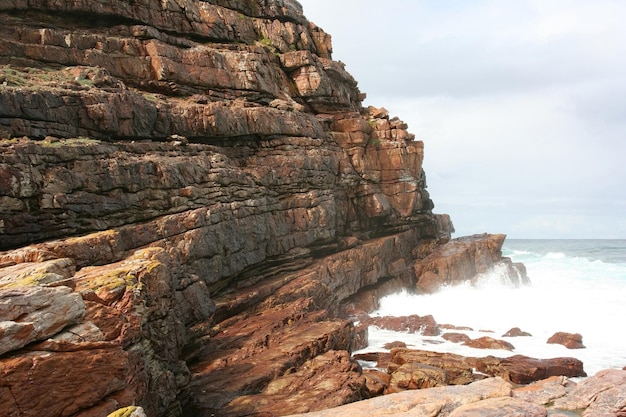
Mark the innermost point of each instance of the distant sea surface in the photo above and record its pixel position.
(577, 286)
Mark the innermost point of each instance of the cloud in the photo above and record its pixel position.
(520, 104)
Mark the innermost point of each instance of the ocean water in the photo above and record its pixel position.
(577, 286)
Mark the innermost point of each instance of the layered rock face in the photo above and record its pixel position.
(191, 198)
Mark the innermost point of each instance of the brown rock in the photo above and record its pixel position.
(545, 391)
(376, 382)
(425, 325)
(414, 375)
(427, 402)
(455, 337)
(524, 370)
(516, 332)
(600, 395)
(569, 340)
(396, 344)
(202, 179)
(487, 342)
(89, 375)
(455, 368)
(500, 407)
(463, 259)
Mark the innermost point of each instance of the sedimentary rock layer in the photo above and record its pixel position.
(193, 200)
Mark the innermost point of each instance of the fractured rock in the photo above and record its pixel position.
(32, 313)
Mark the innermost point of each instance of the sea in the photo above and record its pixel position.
(576, 286)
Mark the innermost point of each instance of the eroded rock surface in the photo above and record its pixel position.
(194, 207)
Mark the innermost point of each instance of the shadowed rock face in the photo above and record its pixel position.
(195, 195)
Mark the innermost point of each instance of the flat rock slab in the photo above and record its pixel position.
(424, 403)
(28, 314)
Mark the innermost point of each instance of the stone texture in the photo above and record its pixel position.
(603, 394)
(521, 369)
(28, 314)
(203, 205)
(465, 259)
(425, 325)
(516, 332)
(487, 342)
(428, 402)
(569, 340)
(500, 407)
(545, 391)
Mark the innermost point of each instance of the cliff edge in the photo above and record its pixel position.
(192, 200)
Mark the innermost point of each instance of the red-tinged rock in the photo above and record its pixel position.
(413, 375)
(463, 260)
(487, 342)
(376, 382)
(516, 332)
(89, 375)
(603, 394)
(325, 381)
(396, 344)
(455, 337)
(428, 402)
(457, 370)
(500, 407)
(425, 325)
(545, 391)
(521, 369)
(569, 340)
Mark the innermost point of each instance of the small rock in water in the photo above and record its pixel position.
(489, 343)
(516, 332)
(456, 337)
(395, 344)
(569, 340)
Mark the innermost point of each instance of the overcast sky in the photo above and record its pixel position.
(521, 104)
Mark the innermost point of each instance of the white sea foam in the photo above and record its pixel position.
(567, 293)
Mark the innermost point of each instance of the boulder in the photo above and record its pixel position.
(603, 394)
(516, 332)
(455, 337)
(569, 340)
(521, 369)
(487, 342)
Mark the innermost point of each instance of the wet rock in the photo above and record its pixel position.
(462, 260)
(425, 325)
(569, 340)
(455, 337)
(396, 344)
(521, 369)
(516, 332)
(487, 342)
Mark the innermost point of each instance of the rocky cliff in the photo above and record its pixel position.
(193, 201)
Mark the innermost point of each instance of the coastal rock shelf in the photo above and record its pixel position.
(195, 209)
